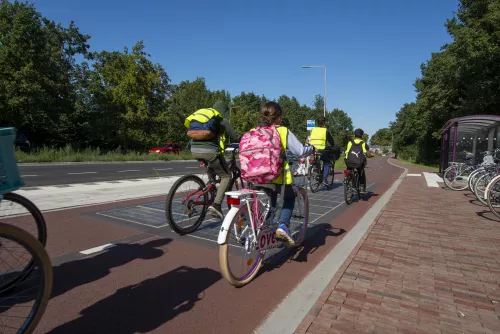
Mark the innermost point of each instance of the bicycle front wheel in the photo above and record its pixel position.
(457, 177)
(300, 217)
(23, 307)
(187, 203)
(493, 196)
(239, 259)
(315, 177)
(17, 210)
(480, 187)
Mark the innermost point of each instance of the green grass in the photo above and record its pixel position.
(68, 154)
(407, 162)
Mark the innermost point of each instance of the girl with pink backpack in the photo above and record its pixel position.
(263, 162)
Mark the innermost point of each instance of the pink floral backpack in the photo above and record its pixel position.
(261, 155)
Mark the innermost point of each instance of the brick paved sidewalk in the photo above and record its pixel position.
(429, 264)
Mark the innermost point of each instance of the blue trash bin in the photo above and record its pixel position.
(10, 179)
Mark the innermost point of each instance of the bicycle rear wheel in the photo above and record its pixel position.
(239, 259)
(186, 204)
(348, 189)
(17, 210)
(31, 296)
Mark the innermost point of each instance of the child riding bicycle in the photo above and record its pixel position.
(271, 116)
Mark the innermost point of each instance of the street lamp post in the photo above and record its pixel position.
(231, 109)
(324, 98)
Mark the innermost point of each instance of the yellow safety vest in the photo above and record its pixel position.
(318, 138)
(283, 131)
(203, 116)
(356, 141)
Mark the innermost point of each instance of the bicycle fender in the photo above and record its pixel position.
(221, 240)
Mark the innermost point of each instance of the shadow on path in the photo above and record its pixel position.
(72, 274)
(143, 307)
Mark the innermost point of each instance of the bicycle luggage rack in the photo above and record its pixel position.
(10, 179)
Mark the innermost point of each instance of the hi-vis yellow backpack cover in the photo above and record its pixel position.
(203, 124)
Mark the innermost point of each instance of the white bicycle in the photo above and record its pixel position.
(249, 228)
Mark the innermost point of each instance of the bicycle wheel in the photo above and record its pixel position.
(493, 196)
(187, 203)
(239, 248)
(348, 189)
(315, 176)
(473, 177)
(300, 217)
(31, 296)
(457, 177)
(480, 187)
(18, 211)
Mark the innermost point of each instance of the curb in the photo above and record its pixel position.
(298, 307)
(32, 164)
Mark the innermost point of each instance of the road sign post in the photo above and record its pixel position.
(311, 124)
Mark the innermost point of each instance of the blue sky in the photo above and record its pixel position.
(372, 49)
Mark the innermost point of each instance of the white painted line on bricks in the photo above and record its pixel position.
(97, 249)
(82, 173)
(413, 174)
(432, 179)
(128, 170)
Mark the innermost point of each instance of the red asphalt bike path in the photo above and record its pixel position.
(153, 280)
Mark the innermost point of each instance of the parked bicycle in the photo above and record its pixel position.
(26, 283)
(458, 176)
(248, 231)
(189, 198)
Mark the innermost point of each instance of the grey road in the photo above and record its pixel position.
(52, 174)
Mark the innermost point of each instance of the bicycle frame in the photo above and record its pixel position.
(211, 185)
(262, 230)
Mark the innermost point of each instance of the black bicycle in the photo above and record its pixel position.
(189, 198)
(315, 172)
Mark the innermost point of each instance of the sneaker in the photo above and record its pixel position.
(282, 233)
(215, 211)
(363, 190)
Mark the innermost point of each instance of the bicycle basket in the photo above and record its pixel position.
(10, 179)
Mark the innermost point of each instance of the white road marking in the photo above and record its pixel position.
(29, 175)
(191, 167)
(130, 221)
(128, 170)
(413, 174)
(97, 249)
(432, 179)
(82, 173)
(162, 168)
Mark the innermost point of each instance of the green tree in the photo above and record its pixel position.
(340, 126)
(37, 57)
(132, 97)
(383, 137)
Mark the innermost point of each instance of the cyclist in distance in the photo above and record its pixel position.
(355, 155)
(320, 136)
(212, 150)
